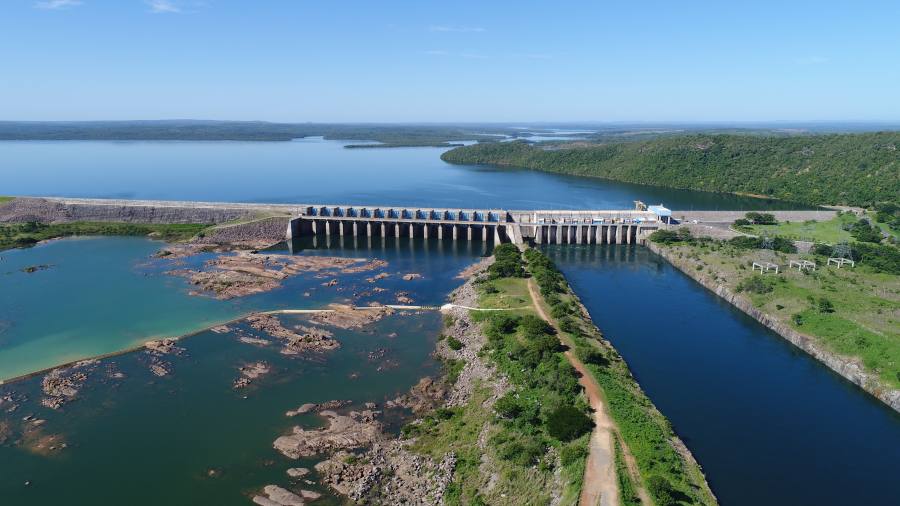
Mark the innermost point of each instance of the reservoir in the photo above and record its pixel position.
(313, 170)
(768, 424)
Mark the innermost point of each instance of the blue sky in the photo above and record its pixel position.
(334, 61)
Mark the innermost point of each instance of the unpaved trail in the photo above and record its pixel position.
(600, 485)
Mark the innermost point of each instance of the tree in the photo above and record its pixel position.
(566, 423)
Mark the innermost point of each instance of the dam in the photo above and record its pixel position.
(499, 225)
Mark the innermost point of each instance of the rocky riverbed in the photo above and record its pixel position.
(243, 273)
(364, 463)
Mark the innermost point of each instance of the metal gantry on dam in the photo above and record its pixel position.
(499, 225)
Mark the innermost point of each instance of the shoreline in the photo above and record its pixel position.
(846, 367)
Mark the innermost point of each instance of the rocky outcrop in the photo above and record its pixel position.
(62, 385)
(353, 430)
(300, 339)
(848, 367)
(245, 273)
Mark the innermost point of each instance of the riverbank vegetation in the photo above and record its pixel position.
(526, 442)
(851, 169)
(852, 311)
(23, 235)
(664, 466)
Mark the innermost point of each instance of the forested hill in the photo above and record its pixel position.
(846, 169)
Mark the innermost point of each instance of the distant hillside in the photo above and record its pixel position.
(198, 130)
(845, 169)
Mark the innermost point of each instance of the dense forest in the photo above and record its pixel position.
(839, 169)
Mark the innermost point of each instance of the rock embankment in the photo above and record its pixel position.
(848, 367)
(253, 234)
(25, 209)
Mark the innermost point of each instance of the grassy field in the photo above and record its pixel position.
(4, 200)
(23, 235)
(854, 312)
(828, 232)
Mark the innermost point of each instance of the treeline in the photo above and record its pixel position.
(23, 235)
(847, 169)
(388, 135)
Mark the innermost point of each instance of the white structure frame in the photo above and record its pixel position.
(764, 267)
(840, 262)
(802, 264)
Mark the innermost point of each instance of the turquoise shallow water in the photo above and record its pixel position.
(97, 295)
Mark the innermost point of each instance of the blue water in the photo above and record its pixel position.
(313, 170)
(768, 423)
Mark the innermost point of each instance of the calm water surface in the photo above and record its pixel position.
(769, 424)
(314, 170)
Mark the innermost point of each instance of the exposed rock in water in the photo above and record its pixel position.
(411, 276)
(245, 273)
(354, 430)
(346, 317)
(278, 496)
(62, 385)
(310, 407)
(404, 298)
(164, 346)
(380, 275)
(297, 472)
(426, 395)
(302, 340)
(34, 268)
(250, 372)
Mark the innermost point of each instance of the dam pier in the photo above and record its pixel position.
(499, 225)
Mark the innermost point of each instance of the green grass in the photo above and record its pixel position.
(829, 232)
(4, 200)
(865, 322)
(627, 494)
(28, 234)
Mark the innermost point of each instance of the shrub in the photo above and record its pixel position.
(454, 343)
(567, 423)
(508, 406)
(754, 284)
(741, 222)
(863, 231)
(572, 453)
(825, 306)
(671, 236)
(534, 327)
(822, 249)
(661, 490)
(761, 218)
